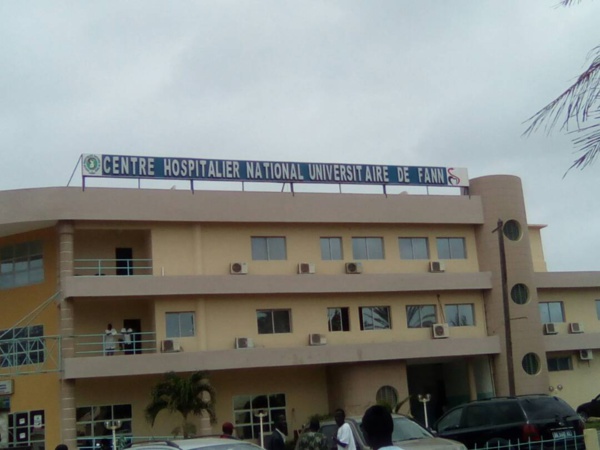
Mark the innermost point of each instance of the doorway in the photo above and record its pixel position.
(124, 257)
(135, 325)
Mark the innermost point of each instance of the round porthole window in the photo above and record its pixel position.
(519, 294)
(531, 363)
(387, 395)
(512, 230)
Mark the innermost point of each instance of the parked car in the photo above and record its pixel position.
(513, 422)
(408, 435)
(208, 443)
(589, 409)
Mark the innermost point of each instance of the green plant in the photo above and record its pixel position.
(186, 395)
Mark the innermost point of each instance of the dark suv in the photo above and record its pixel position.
(528, 421)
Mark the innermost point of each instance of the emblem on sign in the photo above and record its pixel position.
(91, 164)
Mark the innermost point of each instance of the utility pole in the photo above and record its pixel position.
(506, 308)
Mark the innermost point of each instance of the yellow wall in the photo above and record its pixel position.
(577, 385)
(537, 249)
(579, 305)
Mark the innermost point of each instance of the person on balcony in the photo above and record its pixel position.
(110, 340)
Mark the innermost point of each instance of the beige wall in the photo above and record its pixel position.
(579, 305)
(577, 384)
(537, 248)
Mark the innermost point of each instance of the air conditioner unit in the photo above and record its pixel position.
(436, 266)
(586, 355)
(238, 268)
(550, 328)
(440, 330)
(304, 268)
(575, 327)
(354, 267)
(317, 339)
(244, 342)
(170, 346)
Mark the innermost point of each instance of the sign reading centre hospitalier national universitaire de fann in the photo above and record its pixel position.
(166, 168)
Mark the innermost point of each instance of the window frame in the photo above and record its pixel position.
(423, 321)
(549, 313)
(559, 363)
(269, 248)
(97, 419)
(22, 264)
(459, 306)
(344, 322)
(251, 422)
(364, 326)
(412, 241)
(180, 324)
(598, 309)
(274, 327)
(330, 253)
(22, 346)
(365, 243)
(450, 254)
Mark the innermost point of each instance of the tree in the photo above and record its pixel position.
(576, 110)
(186, 395)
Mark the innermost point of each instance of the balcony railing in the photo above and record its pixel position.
(99, 267)
(30, 355)
(96, 344)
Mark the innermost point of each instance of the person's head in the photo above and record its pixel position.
(378, 426)
(340, 417)
(109, 326)
(281, 424)
(61, 447)
(314, 424)
(227, 428)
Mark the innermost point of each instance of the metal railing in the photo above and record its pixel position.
(562, 443)
(30, 355)
(96, 345)
(110, 267)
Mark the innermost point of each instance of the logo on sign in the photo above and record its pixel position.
(91, 164)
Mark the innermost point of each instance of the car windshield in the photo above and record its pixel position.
(544, 407)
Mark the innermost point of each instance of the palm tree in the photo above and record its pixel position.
(186, 395)
(576, 110)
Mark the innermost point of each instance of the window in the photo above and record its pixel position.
(268, 248)
(331, 248)
(272, 321)
(27, 429)
(531, 363)
(247, 425)
(90, 424)
(338, 319)
(557, 363)
(552, 312)
(420, 316)
(21, 264)
(375, 318)
(519, 294)
(21, 346)
(181, 324)
(388, 395)
(512, 230)
(413, 248)
(598, 309)
(367, 248)
(460, 315)
(451, 248)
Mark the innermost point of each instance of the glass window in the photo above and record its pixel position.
(387, 395)
(558, 363)
(420, 316)
(367, 248)
(451, 248)
(268, 248)
(271, 321)
(512, 230)
(27, 429)
(180, 324)
(375, 318)
(450, 420)
(22, 346)
(460, 315)
(519, 294)
(531, 363)
(598, 309)
(21, 264)
(551, 312)
(90, 425)
(413, 248)
(247, 424)
(338, 319)
(331, 248)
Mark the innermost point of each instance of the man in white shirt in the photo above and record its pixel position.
(344, 438)
(377, 427)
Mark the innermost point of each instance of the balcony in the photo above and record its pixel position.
(112, 267)
(96, 344)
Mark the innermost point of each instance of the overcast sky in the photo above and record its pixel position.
(441, 83)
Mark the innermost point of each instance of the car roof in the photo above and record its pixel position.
(189, 444)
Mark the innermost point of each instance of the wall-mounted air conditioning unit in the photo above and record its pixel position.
(550, 328)
(436, 266)
(238, 268)
(354, 267)
(317, 339)
(305, 268)
(586, 355)
(244, 342)
(169, 346)
(575, 327)
(440, 330)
